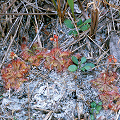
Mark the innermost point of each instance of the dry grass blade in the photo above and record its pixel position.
(94, 22)
(11, 42)
(8, 7)
(28, 14)
(82, 9)
(114, 6)
(36, 35)
(48, 116)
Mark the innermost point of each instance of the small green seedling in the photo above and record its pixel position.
(82, 66)
(80, 25)
(95, 109)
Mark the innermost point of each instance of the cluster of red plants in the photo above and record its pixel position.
(106, 85)
(53, 59)
(14, 74)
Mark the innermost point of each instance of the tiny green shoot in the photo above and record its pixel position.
(82, 64)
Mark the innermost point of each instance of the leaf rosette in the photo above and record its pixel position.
(14, 74)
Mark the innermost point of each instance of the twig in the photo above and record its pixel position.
(112, 19)
(95, 43)
(36, 35)
(73, 23)
(8, 7)
(105, 64)
(48, 115)
(98, 60)
(11, 42)
(39, 42)
(79, 47)
(11, 29)
(28, 14)
(118, 115)
(82, 9)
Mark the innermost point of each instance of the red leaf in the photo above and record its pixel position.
(105, 82)
(13, 75)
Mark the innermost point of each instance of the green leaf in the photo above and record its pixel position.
(75, 60)
(71, 4)
(93, 105)
(72, 68)
(54, 4)
(92, 110)
(98, 108)
(70, 32)
(87, 67)
(82, 68)
(90, 64)
(97, 112)
(85, 27)
(87, 21)
(79, 22)
(92, 117)
(83, 60)
(1, 96)
(75, 32)
(68, 23)
(100, 103)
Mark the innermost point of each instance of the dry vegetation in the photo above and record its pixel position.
(31, 21)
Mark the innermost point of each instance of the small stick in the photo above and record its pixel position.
(8, 7)
(11, 43)
(79, 47)
(95, 43)
(48, 116)
(28, 14)
(11, 29)
(73, 23)
(36, 35)
(105, 64)
(82, 9)
(40, 44)
(118, 115)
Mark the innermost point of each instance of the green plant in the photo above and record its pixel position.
(82, 66)
(95, 109)
(82, 26)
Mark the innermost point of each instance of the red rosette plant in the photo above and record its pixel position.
(33, 56)
(105, 82)
(57, 59)
(106, 85)
(111, 100)
(14, 73)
